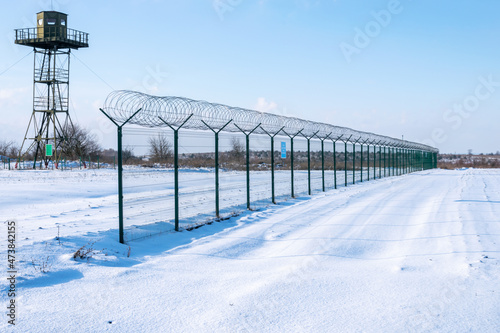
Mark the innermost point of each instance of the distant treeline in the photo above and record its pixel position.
(453, 161)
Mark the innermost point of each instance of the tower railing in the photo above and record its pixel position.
(51, 34)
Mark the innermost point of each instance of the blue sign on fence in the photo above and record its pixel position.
(283, 150)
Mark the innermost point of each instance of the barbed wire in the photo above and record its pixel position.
(120, 105)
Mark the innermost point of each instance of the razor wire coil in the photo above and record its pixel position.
(155, 111)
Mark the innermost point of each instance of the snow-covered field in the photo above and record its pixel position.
(413, 253)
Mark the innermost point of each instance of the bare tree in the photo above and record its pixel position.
(8, 148)
(79, 143)
(13, 151)
(237, 148)
(160, 149)
(127, 154)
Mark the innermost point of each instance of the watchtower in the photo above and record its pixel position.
(50, 123)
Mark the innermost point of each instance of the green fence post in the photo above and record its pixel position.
(120, 186)
(385, 165)
(368, 162)
(408, 160)
(354, 163)
(273, 197)
(404, 161)
(176, 169)
(272, 136)
(247, 160)
(345, 163)
(334, 165)
(416, 160)
(308, 165)
(323, 164)
(217, 211)
(323, 160)
(394, 166)
(407, 153)
(120, 173)
(247, 143)
(291, 158)
(412, 160)
(291, 167)
(394, 161)
(400, 171)
(397, 161)
(361, 162)
(335, 162)
(309, 162)
(389, 157)
(345, 160)
(379, 162)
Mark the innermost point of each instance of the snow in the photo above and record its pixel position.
(401, 254)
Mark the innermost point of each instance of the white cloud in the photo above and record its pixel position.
(265, 106)
(8, 93)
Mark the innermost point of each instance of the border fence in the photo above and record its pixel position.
(244, 157)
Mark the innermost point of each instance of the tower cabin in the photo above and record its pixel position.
(52, 32)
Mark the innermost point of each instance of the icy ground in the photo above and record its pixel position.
(418, 253)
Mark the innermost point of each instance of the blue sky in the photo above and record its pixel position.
(428, 70)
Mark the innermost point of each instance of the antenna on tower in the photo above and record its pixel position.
(50, 123)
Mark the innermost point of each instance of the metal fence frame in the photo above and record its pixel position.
(130, 107)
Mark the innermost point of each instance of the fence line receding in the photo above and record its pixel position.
(322, 153)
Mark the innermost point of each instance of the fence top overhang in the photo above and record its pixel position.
(155, 111)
